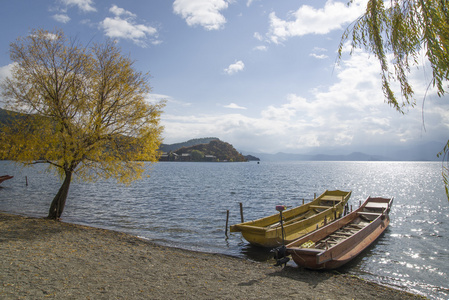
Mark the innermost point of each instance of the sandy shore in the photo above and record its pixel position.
(56, 260)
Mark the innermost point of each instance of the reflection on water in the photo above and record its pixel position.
(184, 205)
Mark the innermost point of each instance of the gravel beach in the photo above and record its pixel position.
(44, 259)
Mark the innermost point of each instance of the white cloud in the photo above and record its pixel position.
(235, 67)
(5, 71)
(286, 111)
(308, 20)
(261, 48)
(258, 36)
(205, 13)
(62, 18)
(152, 98)
(120, 11)
(234, 106)
(155, 98)
(319, 56)
(124, 26)
(83, 5)
(318, 53)
(318, 49)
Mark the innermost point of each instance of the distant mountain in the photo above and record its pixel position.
(423, 152)
(193, 142)
(251, 158)
(7, 117)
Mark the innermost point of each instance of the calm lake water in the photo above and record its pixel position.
(184, 205)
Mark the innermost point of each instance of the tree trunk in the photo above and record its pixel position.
(58, 203)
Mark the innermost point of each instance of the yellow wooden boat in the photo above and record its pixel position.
(298, 221)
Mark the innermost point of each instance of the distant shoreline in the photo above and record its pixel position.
(43, 258)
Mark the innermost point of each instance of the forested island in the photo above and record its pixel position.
(206, 149)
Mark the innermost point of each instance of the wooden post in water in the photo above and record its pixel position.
(26, 180)
(302, 201)
(241, 212)
(227, 219)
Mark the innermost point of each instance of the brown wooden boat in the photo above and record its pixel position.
(337, 243)
(5, 177)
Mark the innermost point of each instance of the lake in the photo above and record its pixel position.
(184, 205)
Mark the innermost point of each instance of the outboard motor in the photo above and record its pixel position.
(280, 253)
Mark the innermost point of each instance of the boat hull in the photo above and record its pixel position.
(354, 235)
(5, 177)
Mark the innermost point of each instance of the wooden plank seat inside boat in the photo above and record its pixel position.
(341, 235)
(369, 213)
(376, 205)
(355, 226)
(320, 207)
(331, 198)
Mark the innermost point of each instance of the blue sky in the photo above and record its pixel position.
(259, 74)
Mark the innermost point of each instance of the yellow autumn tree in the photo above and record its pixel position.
(83, 111)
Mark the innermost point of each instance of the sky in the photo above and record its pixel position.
(261, 75)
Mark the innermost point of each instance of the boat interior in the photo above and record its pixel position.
(341, 234)
(325, 203)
